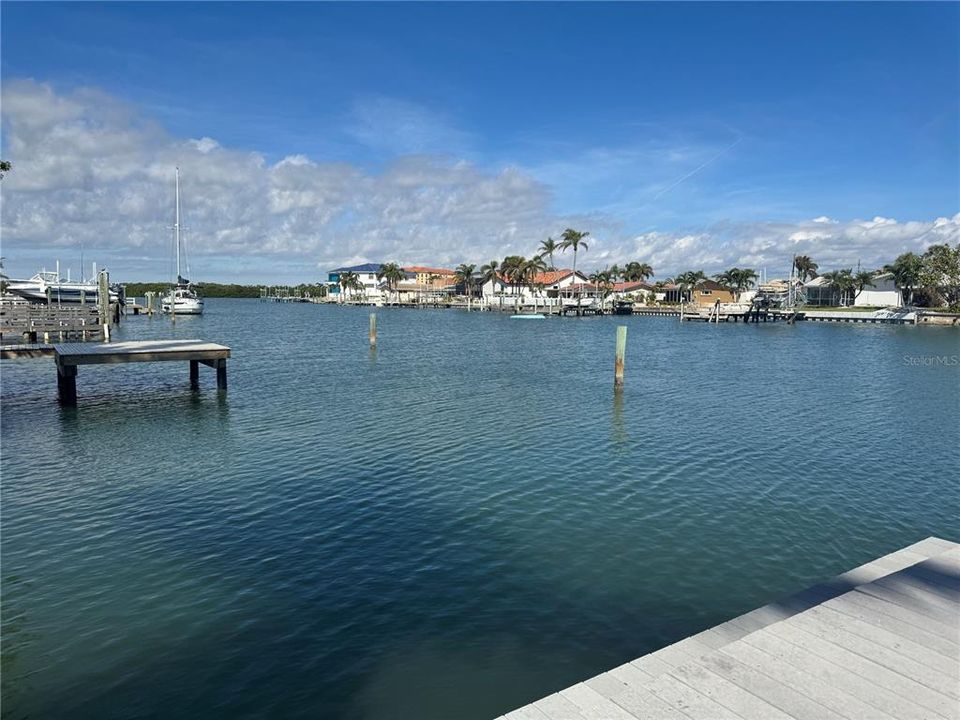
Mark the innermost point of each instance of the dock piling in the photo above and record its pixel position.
(194, 373)
(373, 329)
(67, 384)
(620, 356)
(222, 374)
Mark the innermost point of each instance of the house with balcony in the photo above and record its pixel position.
(367, 276)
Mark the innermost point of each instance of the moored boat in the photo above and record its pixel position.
(49, 285)
(182, 299)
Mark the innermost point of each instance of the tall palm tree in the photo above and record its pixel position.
(806, 268)
(512, 269)
(489, 274)
(393, 274)
(574, 240)
(464, 276)
(549, 247)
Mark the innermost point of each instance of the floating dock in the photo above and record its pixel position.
(69, 356)
(880, 642)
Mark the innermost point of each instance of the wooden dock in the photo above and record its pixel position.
(69, 356)
(33, 322)
(880, 642)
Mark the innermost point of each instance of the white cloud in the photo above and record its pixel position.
(88, 168)
(399, 127)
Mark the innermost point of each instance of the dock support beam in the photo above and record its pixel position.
(620, 357)
(194, 373)
(222, 374)
(67, 385)
(373, 329)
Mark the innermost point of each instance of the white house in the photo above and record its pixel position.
(500, 292)
(366, 274)
(884, 293)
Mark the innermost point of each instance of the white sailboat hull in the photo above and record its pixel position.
(183, 306)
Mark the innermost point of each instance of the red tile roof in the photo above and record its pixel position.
(547, 278)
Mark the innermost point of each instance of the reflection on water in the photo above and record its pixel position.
(451, 524)
(620, 437)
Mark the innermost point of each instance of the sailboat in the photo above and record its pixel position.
(182, 299)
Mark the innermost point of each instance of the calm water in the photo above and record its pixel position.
(456, 525)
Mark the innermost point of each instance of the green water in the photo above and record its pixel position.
(454, 525)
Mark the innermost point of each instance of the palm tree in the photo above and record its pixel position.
(347, 281)
(573, 239)
(530, 271)
(806, 268)
(393, 274)
(862, 279)
(512, 270)
(489, 274)
(906, 271)
(736, 280)
(841, 281)
(464, 276)
(689, 280)
(549, 247)
(637, 272)
(603, 280)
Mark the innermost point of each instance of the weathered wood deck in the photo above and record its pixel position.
(70, 355)
(881, 641)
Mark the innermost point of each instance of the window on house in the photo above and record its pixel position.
(706, 292)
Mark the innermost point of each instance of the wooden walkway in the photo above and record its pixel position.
(69, 355)
(881, 641)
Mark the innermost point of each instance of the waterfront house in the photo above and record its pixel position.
(366, 274)
(636, 291)
(709, 292)
(884, 293)
(422, 284)
(554, 283)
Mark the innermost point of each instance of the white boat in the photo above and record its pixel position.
(182, 299)
(61, 291)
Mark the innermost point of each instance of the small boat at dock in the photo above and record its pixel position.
(528, 316)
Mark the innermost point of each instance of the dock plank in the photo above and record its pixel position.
(877, 642)
(838, 676)
(138, 351)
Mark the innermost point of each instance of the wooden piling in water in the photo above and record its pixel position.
(373, 329)
(620, 356)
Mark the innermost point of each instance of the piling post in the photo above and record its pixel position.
(194, 373)
(67, 384)
(373, 329)
(103, 302)
(620, 356)
(222, 374)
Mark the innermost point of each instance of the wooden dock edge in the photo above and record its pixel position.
(641, 688)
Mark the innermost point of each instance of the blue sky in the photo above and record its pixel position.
(673, 119)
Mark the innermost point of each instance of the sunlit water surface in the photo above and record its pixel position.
(454, 525)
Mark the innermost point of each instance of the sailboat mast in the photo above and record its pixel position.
(176, 225)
